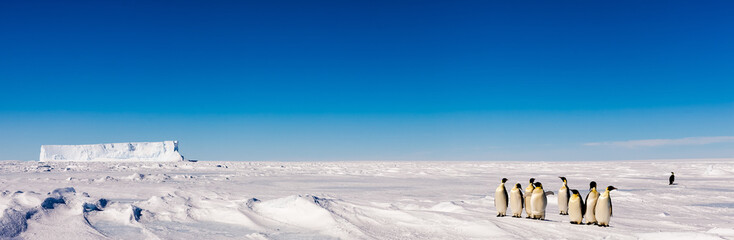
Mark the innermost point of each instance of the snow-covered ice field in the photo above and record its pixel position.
(353, 200)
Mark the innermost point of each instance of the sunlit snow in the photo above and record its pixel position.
(352, 200)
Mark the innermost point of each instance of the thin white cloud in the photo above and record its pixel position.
(664, 142)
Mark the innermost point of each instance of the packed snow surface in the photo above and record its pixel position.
(166, 151)
(352, 200)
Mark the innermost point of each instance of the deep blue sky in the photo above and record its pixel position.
(392, 80)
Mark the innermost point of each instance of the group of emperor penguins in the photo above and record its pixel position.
(597, 209)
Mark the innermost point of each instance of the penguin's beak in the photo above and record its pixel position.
(612, 188)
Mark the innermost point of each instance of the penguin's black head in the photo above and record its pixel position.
(532, 180)
(592, 184)
(610, 188)
(563, 179)
(504, 180)
(517, 185)
(574, 191)
(672, 173)
(537, 184)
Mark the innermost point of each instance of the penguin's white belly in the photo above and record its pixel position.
(563, 200)
(590, 209)
(528, 203)
(574, 210)
(516, 202)
(539, 202)
(500, 201)
(603, 210)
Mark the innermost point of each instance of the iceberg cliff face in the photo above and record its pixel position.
(166, 151)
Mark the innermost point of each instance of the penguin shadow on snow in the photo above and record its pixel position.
(524, 219)
(544, 220)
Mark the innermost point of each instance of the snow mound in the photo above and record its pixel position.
(448, 207)
(51, 215)
(302, 211)
(166, 151)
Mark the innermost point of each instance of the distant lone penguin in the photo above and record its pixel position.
(517, 201)
(591, 203)
(538, 201)
(603, 210)
(671, 179)
(576, 207)
(500, 199)
(528, 194)
(563, 195)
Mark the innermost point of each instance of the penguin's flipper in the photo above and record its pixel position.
(610, 207)
(548, 193)
(522, 201)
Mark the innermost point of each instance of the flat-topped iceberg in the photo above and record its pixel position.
(166, 151)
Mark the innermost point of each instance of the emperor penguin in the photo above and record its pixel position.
(538, 201)
(528, 194)
(500, 199)
(576, 207)
(563, 196)
(591, 203)
(671, 179)
(517, 202)
(603, 210)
